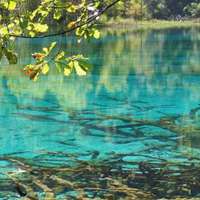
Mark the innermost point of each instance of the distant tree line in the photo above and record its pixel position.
(156, 9)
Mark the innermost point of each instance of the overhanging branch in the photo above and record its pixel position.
(89, 20)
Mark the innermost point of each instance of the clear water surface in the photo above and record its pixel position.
(140, 102)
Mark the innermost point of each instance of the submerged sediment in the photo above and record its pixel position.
(104, 179)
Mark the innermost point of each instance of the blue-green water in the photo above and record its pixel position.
(139, 103)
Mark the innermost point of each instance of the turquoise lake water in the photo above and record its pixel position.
(139, 103)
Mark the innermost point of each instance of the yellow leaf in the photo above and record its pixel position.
(67, 71)
(45, 50)
(40, 28)
(45, 69)
(71, 64)
(12, 5)
(78, 69)
(71, 24)
(31, 33)
(3, 31)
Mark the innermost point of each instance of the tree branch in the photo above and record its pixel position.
(89, 20)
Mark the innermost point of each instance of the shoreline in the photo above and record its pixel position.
(149, 24)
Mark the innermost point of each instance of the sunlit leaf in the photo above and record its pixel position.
(53, 44)
(79, 70)
(12, 5)
(71, 24)
(71, 9)
(71, 64)
(67, 71)
(40, 28)
(3, 31)
(46, 51)
(96, 34)
(45, 68)
(57, 15)
(60, 56)
(32, 34)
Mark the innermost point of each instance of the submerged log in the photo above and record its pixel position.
(49, 194)
(22, 189)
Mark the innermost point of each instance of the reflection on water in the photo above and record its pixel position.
(136, 111)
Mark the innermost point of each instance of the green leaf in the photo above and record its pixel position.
(53, 44)
(33, 14)
(80, 32)
(96, 34)
(57, 15)
(60, 56)
(72, 9)
(85, 64)
(11, 56)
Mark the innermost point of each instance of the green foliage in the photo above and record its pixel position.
(77, 63)
(155, 9)
(65, 64)
(193, 9)
(34, 22)
(10, 55)
(41, 65)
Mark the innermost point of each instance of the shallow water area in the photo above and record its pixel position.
(128, 130)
